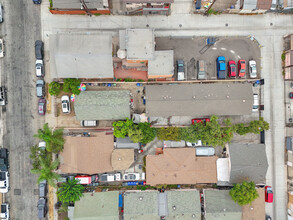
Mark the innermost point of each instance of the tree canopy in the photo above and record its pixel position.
(244, 193)
(70, 191)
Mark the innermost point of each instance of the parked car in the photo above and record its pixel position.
(255, 103)
(42, 208)
(291, 95)
(1, 13)
(5, 215)
(43, 188)
(42, 106)
(241, 68)
(4, 182)
(110, 177)
(40, 88)
(232, 68)
(195, 144)
(201, 70)
(274, 5)
(200, 120)
(3, 96)
(180, 69)
(2, 53)
(85, 180)
(88, 123)
(221, 67)
(4, 162)
(39, 68)
(39, 49)
(37, 1)
(252, 69)
(205, 151)
(131, 176)
(42, 145)
(269, 194)
(65, 104)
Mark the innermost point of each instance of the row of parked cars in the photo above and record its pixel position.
(4, 182)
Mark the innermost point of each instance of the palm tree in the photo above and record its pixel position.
(70, 192)
(46, 170)
(54, 139)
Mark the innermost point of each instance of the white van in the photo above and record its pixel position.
(88, 123)
(255, 103)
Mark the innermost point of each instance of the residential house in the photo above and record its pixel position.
(122, 159)
(126, 143)
(147, 7)
(77, 55)
(198, 100)
(102, 105)
(87, 155)
(180, 166)
(255, 210)
(98, 206)
(152, 205)
(218, 205)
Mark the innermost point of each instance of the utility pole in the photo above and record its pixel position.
(206, 12)
(85, 8)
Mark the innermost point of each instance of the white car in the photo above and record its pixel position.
(39, 68)
(4, 182)
(255, 103)
(131, 176)
(42, 145)
(252, 69)
(198, 143)
(109, 177)
(65, 104)
(2, 53)
(4, 215)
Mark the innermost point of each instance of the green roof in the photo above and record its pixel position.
(97, 206)
(220, 206)
(102, 105)
(184, 205)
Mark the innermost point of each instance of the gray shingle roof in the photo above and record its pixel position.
(248, 162)
(219, 206)
(102, 105)
(199, 100)
(162, 64)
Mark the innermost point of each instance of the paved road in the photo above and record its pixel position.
(20, 29)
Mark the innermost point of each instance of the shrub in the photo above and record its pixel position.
(71, 85)
(169, 133)
(135, 134)
(121, 128)
(148, 133)
(244, 193)
(54, 88)
(283, 56)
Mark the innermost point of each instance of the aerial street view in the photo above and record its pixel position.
(146, 109)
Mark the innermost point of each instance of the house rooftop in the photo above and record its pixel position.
(76, 4)
(78, 55)
(199, 100)
(122, 158)
(255, 210)
(162, 64)
(102, 105)
(126, 143)
(180, 166)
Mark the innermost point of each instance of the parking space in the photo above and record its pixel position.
(193, 49)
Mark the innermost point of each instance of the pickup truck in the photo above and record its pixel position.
(221, 67)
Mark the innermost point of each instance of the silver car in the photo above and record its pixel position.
(43, 188)
(42, 208)
(1, 13)
(40, 88)
(252, 69)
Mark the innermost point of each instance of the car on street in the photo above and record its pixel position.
(37, 2)
(205, 151)
(42, 208)
(200, 120)
(232, 68)
(86, 180)
(110, 177)
(42, 106)
(65, 102)
(221, 67)
(269, 194)
(4, 182)
(291, 95)
(255, 103)
(5, 215)
(40, 85)
(43, 188)
(252, 69)
(2, 53)
(4, 162)
(39, 68)
(39, 49)
(1, 13)
(241, 68)
(3, 96)
(180, 69)
(131, 176)
(42, 145)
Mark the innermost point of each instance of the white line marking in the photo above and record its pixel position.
(232, 51)
(223, 48)
(214, 48)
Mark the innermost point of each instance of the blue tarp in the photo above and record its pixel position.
(120, 201)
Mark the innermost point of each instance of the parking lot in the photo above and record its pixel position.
(193, 49)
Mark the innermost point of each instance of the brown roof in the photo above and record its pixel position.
(257, 208)
(180, 166)
(87, 155)
(264, 4)
(122, 158)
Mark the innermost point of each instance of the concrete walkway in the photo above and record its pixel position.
(267, 29)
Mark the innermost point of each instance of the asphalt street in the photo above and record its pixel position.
(20, 29)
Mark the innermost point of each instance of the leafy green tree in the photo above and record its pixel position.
(169, 133)
(244, 193)
(189, 134)
(148, 133)
(257, 126)
(70, 191)
(36, 154)
(135, 134)
(54, 139)
(121, 128)
(71, 85)
(54, 88)
(47, 171)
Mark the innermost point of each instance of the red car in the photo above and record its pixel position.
(232, 68)
(269, 194)
(200, 120)
(241, 68)
(42, 106)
